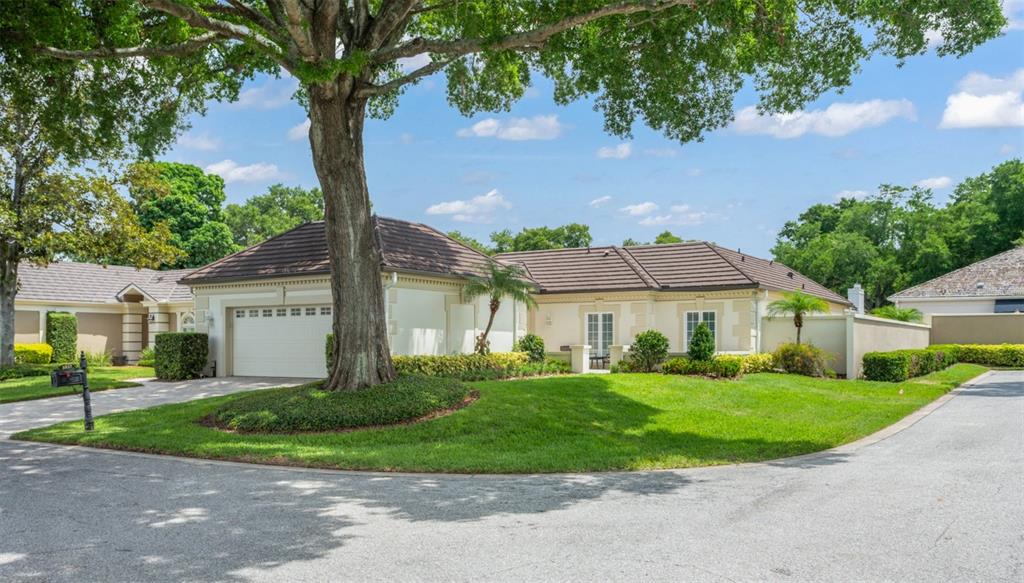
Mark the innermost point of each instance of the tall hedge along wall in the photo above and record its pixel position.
(181, 355)
(62, 335)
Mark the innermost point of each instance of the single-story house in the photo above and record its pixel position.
(119, 309)
(990, 286)
(604, 296)
(267, 309)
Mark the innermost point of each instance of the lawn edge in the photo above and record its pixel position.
(882, 434)
(130, 385)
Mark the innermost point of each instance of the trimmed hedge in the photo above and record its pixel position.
(725, 366)
(181, 355)
(62, 335)
(1003, 355)
(19, 371)
(899, 365)
(307, 408)
(38, 353)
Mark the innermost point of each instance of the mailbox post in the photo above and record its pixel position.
(70, 376)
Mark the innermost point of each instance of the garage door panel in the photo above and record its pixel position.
(280, 341)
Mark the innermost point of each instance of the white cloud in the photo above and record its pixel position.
(935, 182)
(1007, 149)
(203, 141)
(838, 119)
(270, 95)
(413, 63)
(986, 102)
(661, 152)
(858, 194)
(299, 132)
(230, 171)
(619, 152)
(636, 210)
(540, 127)
(681, 214)
(479, 209)
(599, 201)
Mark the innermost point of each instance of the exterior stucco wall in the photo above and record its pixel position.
(951, 306)
(99, 332)
(426, 315)
(872, 334)
(27, 327)
(827, 332)
(978, 329)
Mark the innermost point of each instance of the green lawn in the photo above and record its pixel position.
(573, 423)
(101, 378)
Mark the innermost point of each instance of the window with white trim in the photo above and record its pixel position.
(296, 311)
(693, 319)
(239, 313)
(310, 311)
(254, 313)
(325, 310)
(282, 312)
(188, 322)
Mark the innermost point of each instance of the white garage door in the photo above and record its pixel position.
(280, 341)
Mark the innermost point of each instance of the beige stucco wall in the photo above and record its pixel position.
(827, 332)
(872, 334)
(951, 306)
(426, 315)
(560, 319)
(99, 332)
(26, 327)
(978, 329)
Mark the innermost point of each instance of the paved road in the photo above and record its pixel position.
(941, 500)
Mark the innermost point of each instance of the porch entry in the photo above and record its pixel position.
(600, 334)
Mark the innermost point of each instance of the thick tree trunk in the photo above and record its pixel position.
(361, 356)
(8, 291)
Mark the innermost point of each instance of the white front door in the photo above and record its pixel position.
(600, 332)
(280, 341)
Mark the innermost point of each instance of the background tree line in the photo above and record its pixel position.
(899, 237)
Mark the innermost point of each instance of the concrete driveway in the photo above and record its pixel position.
(940, 500)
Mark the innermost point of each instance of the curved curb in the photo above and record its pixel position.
(846, 448)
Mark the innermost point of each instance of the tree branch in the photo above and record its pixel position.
(229, 29)
(398, 82)
(531, 38)
(182, 48)
(391, 16)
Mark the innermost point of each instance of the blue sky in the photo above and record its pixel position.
(933, 122)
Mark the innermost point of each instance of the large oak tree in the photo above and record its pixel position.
(675, 65)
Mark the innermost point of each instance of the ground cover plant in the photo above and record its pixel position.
(554, 424)
(34, 382)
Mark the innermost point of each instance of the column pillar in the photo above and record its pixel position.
(159, 321)
(131, 336)
(617, 353)
(580, 359)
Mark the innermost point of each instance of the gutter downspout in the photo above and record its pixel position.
(759, 317)
(392, 282)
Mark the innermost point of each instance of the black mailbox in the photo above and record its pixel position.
(67, 377)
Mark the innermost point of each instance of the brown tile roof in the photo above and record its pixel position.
(67, 281)
(695, 266)
(999, 275)
(405, 246)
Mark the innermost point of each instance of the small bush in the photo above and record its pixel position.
(62, 335)
(702, 344)
(1002, 355)
(621, 367)
(307, 408)
(181, 355)
(148, 357)
(25, 370)
(805, 359)
(98, 358)
(727, 366)
(761, 362)
(33, 353)
(649, 349)
(531, 344)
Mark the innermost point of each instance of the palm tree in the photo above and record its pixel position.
(901, 314)
(798, 304)
(501, 281)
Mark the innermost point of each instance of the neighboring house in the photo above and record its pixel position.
(119, 309)
(990, 286)
(604, 296)
(267, 309)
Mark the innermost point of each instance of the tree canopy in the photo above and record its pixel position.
(269, 214)
(899, 237)
(539, 238)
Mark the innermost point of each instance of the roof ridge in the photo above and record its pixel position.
(630, 260)
(460, 243)
(714, 249)
(698, 242)
(957, 270)
(555, 250)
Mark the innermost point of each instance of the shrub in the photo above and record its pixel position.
(98, 358)
(649, 349)
(727, 366)
(621, 366)
(62, 335)
(38, 353)
(805, 359)
(181, 355)
(677, 365)
(531, 344)
(761, 362)
(456, 365)
(148, 357)
(1004, 355)
(900, 365)
(702, 344)
(18, 371)
(307, 408)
